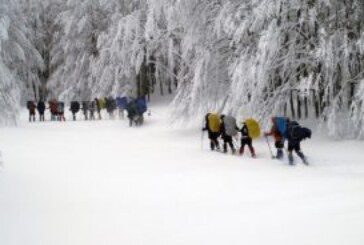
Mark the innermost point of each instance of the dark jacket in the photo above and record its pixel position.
(244, 132)
(75, 107)
(41, 107)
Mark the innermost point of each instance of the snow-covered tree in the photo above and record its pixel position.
(20, 62)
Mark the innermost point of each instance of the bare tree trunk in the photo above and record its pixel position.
(292, 105)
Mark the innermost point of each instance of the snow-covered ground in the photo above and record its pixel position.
(85, 183)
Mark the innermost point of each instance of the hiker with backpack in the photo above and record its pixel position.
(295, 134)
(53, 108)
(110, 106)
(132, 110)
(228, 131)
(246, 139)
(277, 131)
(98, 107)
(31, 107)
(41, 109)
(60, 111)
(92, 110)
(213, 126)
(85, 106)
(121, 104)
(75, 108)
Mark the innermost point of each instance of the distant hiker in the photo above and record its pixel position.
(228, 131)
(295, 134)
(98, 107)
(132, 109)
(85, 106)
(278, 130)
(121, 104)
(60, 111)
(92, 109)
(31, 107)
(246, 140)
(41, 109)
(110, 106)
(53, 109)
(213, 126)
(75, 108)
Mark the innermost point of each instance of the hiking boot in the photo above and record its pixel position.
(252, 151)
(290, 159)
(305, 162)
(279, 154)
(241, 151)
(212, 146)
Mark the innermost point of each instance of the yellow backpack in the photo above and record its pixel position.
(214, 122)
(253, 128)
(102, 103)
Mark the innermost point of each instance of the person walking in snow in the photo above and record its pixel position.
(213, 127)
(41, 109)
(60, 111)
(228, 131)
(132, 109)
(31, 107)
(53, 109)
(278, 138)
(246, 140)
(110, 106)
(98, 107)
(75, 108)
(85, 106)
(295, 134)
(92, 109)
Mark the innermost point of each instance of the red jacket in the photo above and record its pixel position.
(275, 133)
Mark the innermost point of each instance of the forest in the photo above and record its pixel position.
(248, 58)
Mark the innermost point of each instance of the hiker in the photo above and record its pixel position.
(246, 140)
(295, 134)
(85, 109)
(228, 131)
(98, 107)
(121, 103)
(53, 109)
(41, 109)
(31, 107)
(277, 134)
(60, 111)
(212, 126)
(75, 108)
(92, 110)
(132, 110)
(110, 106)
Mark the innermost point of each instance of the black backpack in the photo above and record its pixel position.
(297, 132)
(75, 106)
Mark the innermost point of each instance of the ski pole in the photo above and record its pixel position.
(270, 149)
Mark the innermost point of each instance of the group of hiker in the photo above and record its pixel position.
(282, 129)
(135, 108)
(56, 108)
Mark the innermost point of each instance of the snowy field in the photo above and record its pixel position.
(92, 183)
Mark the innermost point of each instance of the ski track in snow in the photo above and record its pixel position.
(105, 183)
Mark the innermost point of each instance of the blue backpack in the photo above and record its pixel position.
(121, 102)
(141, 104)
(281, 124)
